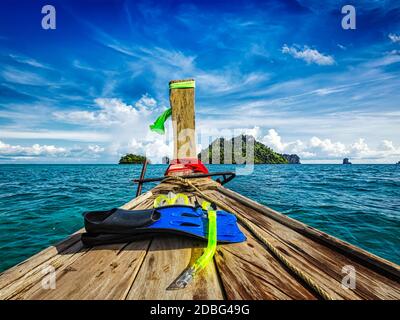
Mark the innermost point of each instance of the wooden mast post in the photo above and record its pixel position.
(183, 122)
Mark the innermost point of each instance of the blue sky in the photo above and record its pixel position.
(284, 71)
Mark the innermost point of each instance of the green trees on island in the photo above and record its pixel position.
(262, 153)
(132, 159)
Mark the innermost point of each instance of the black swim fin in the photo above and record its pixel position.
(185, 220)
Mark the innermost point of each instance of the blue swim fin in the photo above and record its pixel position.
(176, 219)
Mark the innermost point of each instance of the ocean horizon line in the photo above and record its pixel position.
(216, 164)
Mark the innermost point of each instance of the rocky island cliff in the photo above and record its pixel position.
(262, 153)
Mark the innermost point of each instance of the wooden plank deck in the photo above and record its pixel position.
(144, 269)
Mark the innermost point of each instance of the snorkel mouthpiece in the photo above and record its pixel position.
(185, 278)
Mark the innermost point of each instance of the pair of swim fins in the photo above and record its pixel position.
(119, 225)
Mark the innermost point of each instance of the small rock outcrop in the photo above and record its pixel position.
(346, 161)
(165, 160)
(292, 158)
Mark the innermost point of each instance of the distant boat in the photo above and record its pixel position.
(346, 161)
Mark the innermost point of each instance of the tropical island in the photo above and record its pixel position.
(132, 159)
(262, 153)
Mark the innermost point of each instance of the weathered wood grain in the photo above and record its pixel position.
(317, 261)
(166, 259)
(248, 271)
(183, 121)
(35, 275)
(20, 270)
(385, 267)
(104, 272)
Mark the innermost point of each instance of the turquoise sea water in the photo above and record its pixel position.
(42, 204)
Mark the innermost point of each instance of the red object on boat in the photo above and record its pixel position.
(186, 166)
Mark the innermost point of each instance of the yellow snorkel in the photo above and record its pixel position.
(208, 253)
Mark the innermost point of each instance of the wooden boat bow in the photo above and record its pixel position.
(145, 268)
(281, 259)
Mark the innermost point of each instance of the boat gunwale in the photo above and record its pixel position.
(384, 267)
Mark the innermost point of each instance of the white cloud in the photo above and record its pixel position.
(28, 61)
(326, 147)
(33, 151)
(171, 57)
(309, 55)
(360, 148)
(168, 64)
(388, 145)
(95, 148)
(317, 148)
(86, 136)
(274, 140)
(388, 59)
(164, 64)
(79, 117)
(127, 125)
(326, 91)
(86, 152)
(394, 37)
(228, 81)
(157, 55)
(111, 112)
(255, 132)
(79, 65)
(14, 75)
